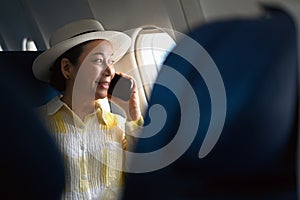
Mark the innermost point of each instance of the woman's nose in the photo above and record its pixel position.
(109, 69)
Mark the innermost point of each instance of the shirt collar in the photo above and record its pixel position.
(56, 103)
(104, 115)
(100, 112)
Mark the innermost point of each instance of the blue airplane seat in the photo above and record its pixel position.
(20, 62)
(31, 164)
(255, 155)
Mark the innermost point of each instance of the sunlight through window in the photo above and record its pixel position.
(28, 45)
(151, 51)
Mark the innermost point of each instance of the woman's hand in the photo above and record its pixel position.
(132, 106)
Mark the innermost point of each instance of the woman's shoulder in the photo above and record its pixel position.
(44, 108)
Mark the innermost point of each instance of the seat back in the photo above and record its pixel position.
(255, 155)
(20, 62)
(30, 162)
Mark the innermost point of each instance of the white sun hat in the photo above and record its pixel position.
(73, 34)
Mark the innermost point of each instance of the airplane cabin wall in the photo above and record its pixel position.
(38, 19)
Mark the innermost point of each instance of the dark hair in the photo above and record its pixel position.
(57, 80)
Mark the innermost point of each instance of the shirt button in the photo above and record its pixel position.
(83, 177)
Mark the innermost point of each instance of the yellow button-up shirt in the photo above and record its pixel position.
(91, 148)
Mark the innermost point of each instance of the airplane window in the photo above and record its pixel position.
(28, 45)
(152, 47)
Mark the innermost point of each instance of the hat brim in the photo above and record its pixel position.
(41, 65)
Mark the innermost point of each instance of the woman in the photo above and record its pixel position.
(80, 64)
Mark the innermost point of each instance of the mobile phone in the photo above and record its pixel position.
(120, 87)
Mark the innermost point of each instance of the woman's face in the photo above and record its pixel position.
(95, 70)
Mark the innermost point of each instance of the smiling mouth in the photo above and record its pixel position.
(104, 85)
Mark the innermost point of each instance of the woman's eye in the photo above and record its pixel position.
(110, 62)
(99, 61)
